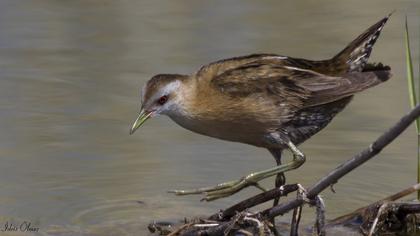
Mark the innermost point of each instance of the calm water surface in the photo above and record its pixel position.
(70, 75)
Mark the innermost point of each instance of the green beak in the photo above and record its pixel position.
(143, 116)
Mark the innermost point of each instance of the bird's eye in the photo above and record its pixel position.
(162, 100)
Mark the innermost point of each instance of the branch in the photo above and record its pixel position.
(349, 165)
(360, 211)
(253, 201)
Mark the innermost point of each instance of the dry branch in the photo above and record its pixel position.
(253, 201)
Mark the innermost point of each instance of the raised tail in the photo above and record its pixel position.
(355, 56)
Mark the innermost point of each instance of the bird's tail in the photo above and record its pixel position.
(355, 56)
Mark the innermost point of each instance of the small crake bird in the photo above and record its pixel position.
(266, 100)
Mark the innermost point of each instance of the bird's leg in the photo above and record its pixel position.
(280, 181)
(280, 178)
(231, 187)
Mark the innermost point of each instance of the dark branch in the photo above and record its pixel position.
(294, 227)
(409, 209)
(253, 201)
(360, 211)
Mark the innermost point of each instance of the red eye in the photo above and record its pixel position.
(162, 100)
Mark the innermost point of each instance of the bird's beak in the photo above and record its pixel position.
(143, 116)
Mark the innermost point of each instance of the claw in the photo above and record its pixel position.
(178, 192)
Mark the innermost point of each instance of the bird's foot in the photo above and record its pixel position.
(229, 188)
(225, 189)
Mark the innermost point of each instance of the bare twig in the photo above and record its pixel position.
(381, 211)
(178, 231)
(391, 198)
(255, 200)
(294, 227)
(320, 217)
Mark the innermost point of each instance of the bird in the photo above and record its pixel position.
(265, 100)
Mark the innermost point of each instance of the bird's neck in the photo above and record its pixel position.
(185, 98)
(195, 100)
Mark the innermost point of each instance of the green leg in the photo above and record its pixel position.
(231, 187)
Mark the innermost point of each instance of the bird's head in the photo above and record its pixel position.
(160, 95)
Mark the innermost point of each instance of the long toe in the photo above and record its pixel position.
(205, 190)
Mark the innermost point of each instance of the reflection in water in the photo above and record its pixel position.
(70, 77)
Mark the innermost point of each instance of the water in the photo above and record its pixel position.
(71, 72)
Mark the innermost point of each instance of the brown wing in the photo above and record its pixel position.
(216, 68)
(219, 67)
(297, 87)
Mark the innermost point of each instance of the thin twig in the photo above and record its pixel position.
(259, 224)
(255, 200)
(294, 227)
(178, 231)
(320, 217)
(297, 212)
(391, 198)
(381, 211)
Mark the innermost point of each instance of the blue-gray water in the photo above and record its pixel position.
(70, 76)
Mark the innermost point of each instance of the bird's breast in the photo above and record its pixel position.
(236, 131)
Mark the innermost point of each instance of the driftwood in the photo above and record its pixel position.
(384, 217)
(381, 216)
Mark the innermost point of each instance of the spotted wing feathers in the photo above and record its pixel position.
(298, 87)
